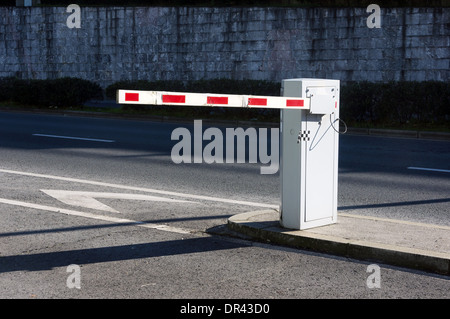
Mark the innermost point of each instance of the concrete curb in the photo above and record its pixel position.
(269, 230)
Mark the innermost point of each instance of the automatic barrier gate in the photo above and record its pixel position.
(308, 142)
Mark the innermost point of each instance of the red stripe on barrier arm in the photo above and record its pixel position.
(217, 100)
(166, 98)
(132, 97)
(293, 103)
(257, 101)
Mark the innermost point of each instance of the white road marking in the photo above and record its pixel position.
(430, 169)
(75, 138)
(143, 189)
(94, 216)
(87, 199)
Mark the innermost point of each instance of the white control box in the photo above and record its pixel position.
(309, 144)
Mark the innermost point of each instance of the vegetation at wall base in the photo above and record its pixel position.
(62, 92)
(396, 104)
(405, 105)
(401, 104)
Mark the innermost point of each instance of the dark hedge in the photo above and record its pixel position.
(63, 92)
(362, 103)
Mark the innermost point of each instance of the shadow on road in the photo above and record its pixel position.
(50, 260)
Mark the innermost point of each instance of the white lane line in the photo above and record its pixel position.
(430, 169)
(94, 216)
(75, 138)
(143, 189)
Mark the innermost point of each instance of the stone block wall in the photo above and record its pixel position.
(181, 43)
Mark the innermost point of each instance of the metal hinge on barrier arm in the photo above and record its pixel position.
(207, 99)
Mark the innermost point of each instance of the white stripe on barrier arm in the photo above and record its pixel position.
(209, 99)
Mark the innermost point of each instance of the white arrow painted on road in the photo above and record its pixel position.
(87, 199)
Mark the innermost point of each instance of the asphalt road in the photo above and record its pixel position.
(105, 196)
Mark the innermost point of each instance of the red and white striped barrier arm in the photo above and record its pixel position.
(206, 99)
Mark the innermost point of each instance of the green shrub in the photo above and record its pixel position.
(6, 88)
(395, 103)
(225, 86)
(63, 92)
(363, 103)
(357, 100)
(70, 92)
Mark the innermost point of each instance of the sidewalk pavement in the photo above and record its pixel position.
(400, 243)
